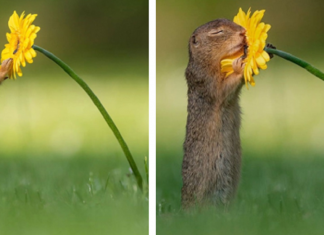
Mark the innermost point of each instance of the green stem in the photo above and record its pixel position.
(297, 61)
(102, 110)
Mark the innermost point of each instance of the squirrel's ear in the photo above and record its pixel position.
(194, 40)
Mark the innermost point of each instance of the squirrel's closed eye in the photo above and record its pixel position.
(216, 32)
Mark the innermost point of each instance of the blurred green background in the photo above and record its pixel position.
(62, 170)
(282, 130)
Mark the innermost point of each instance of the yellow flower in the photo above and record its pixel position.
(21, 39)
(256, 35)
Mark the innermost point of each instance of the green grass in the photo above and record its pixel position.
(278, 194)
(70, 196)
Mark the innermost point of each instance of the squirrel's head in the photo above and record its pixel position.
(208, 45)
(215, 40)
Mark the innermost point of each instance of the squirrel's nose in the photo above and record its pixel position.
(242, 33)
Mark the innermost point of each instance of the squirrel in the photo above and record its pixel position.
(5, 68)
(212, 149)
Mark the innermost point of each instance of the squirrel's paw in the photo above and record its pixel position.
(4, 69)
(238, 65)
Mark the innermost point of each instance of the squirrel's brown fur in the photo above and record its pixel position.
(212, 149)
(4, 69)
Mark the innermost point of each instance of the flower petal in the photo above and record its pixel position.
(265, 55)
(22, 59)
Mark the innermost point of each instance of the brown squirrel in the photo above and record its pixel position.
(4, 69)
(212, 149)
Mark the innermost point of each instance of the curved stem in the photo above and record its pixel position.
(297, 61)
(102, 110)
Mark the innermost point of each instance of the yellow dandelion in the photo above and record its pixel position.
(256, 35)
(21, 39)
